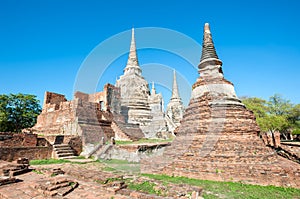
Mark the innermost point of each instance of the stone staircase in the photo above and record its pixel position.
(63, 151)
(55, 187)
(101, 153)
(132, 131)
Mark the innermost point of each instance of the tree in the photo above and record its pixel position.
(257, 105)
(277, 114)
(273, 123)
(294, 117)
(279, 106)
(18, 111)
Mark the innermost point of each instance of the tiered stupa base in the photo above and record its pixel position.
(218, 137)
(220, 142)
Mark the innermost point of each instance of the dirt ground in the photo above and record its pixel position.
(89, 180)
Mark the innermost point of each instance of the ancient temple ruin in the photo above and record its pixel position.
(158, 123)
(138, 105)
(95, 118)
(218, 137)
(127, 111)
(175, 108)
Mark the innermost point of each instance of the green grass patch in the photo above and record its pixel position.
(115, 161)
(122, 166)
(110, 169)
(37, 171)
(48, 161)
(120, 142)
(52, 161)
(144, 140)
(213, 189)
(146, 187)
(108, 180)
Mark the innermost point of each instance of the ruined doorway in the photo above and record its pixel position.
(101, 105)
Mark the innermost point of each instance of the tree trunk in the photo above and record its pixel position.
(291, 136)
(285, 137)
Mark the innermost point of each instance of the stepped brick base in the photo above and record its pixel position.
(218, 137)
(126, 131)
(217, 142)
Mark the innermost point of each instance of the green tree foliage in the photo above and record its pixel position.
(18, 111)
(257, 105)
(294, 115)
(295, 119)
(275, 114)
(279, 106)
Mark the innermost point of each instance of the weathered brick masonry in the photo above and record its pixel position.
(218, 137)
(19, 145)
(89, 117)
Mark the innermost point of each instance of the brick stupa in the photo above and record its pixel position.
(218, 137)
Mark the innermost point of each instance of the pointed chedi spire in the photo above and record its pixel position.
(132, 62)
(209, 55)
(175, 93)
(175, 108)
(153, 91)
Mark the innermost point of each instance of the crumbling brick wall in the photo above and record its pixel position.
(113, 98)
(32, 153)
(89, 116)
(108, 99)
(76, 144)
(54, 98)
(271, 139)
(81, 95)
(17, 139)
(19, 145)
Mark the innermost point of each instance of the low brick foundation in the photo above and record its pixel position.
(32, 153)
(8, 139)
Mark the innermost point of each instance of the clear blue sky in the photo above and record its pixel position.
(44, 43)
